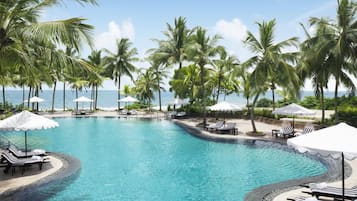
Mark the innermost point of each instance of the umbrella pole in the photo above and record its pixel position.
(25, 143)
(343, 176)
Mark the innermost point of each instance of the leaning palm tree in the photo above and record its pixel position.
(202, 51)
(120, 63)
(271, 66)
(338, 45)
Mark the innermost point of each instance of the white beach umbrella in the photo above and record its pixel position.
(293, 109)
(128, 99)
(225, 107)
(25, 121)
(82, 100)
(35, 99)
(335, 141)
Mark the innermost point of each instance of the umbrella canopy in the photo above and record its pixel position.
(128, 99)
(225, 106)
(293, 109)
(83, 100)
(25, 121)
(336, 141)
(35, 99)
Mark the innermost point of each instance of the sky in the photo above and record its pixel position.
(142, 21)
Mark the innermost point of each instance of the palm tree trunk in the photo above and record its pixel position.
(37, 94)
(273, 95)
(23, 97)
(28, 97)
(252, 112)
(91, 97)
(322, 102)
(118, 93)
(64, 95)
(76, 98)
(96, 96)
(53, 95)
(218, 89)
(336, 102)
(3, 95)
(203, 96)
(158, 84)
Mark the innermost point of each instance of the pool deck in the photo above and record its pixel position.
(9, 183)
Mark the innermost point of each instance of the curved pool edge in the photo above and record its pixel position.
(68, 172)
(268, 192)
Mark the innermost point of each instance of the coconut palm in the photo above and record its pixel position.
(314, 65)
(202, 51)
(223, 69)
(95, 75)
(271, 63)
(145, 86)
(120, 63)
(173, 49)
(272, 66)
(160, 73)
(338, 45)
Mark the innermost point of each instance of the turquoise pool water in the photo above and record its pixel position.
(158, 161)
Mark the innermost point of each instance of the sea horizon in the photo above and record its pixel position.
(107, 98)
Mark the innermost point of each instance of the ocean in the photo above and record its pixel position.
(107, 99)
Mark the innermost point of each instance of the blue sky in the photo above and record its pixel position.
(141, 21)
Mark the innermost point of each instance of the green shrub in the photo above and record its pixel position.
(264, 102)
(348, 115)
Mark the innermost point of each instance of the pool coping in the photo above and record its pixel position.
(270, 191)
(68, 172)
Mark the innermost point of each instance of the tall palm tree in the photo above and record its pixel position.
(95, 76)
(314, 65)
(173, 49)
(271, 62)
(160, 73)
(202, 51)
(145, 86)
(339, 45)
(120, 63)
(223, 69)
(272, 66)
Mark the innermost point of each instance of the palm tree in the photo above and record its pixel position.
(314, 65)
(120, 63)
(272, 66)
(202, 51)
(271, 62)
(160, 73)
(173, 49)
(223, 69)
(145, 86)
(95, 76)
(338, 45)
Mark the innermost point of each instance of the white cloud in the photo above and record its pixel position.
(232, 30)
(108, 38)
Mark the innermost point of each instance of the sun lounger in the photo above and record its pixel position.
(13, 162)
(303, 199)
(307, 129)
(228, 127)
(318, 190)
(180, 114)
(284, 132)
(214, 126)
(20, 154)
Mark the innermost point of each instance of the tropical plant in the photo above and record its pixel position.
(272, 66)
(202, 51)
(338, 45)
(145, 86)
(120, 63)
(159, 73)
(96, 78)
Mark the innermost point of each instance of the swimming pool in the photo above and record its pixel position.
(157, 160)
